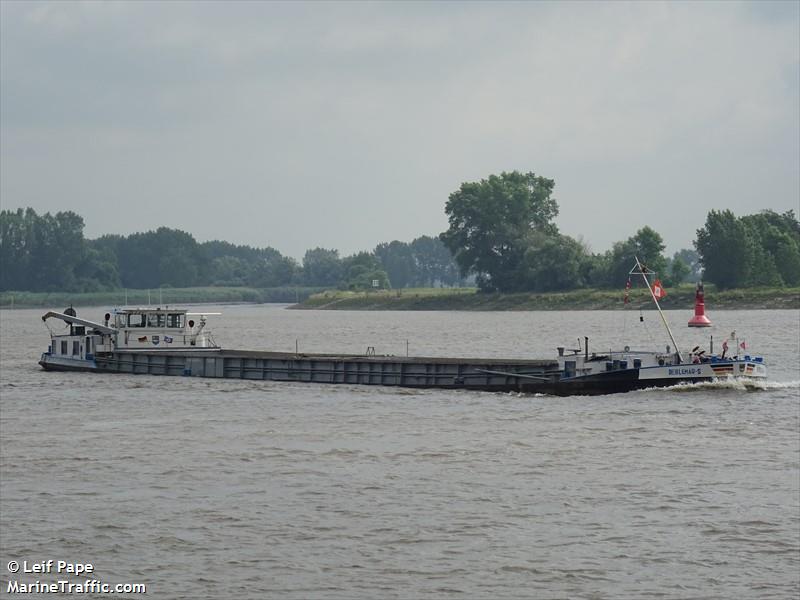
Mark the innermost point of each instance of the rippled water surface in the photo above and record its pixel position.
(207, 488)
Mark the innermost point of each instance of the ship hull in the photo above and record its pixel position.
(492, 375)
(58, 363)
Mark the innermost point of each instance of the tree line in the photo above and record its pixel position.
(501, 237)
(502, 230)
(50, 253)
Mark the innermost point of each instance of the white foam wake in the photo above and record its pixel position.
(732, 383)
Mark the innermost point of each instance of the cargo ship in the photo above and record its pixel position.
(168, 341)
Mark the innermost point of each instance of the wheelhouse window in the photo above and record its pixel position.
(174, 320)
(76, 348)
(122, 320)
(63, 347)
(135, 320)
(155, 319)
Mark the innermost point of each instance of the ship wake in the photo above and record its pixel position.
(736, 384)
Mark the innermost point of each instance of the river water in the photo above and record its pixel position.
(203, 488)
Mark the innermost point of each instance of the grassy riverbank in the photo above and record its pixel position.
(409, 299)
(469, 299)
(171, 296)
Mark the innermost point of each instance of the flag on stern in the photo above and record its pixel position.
(658, 290)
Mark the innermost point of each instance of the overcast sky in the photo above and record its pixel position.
(343, 125)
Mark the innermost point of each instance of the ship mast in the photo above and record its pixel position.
(653, 296)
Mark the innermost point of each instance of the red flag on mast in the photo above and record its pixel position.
(658, 290)
(627, 290)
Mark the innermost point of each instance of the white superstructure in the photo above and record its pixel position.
(160, 328)
(126, 329)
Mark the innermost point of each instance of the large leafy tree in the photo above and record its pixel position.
(397, 259)
(273, 269)
(162, 257)
(691, 259)
(647, 245)
(322, 267)
(40, 252)
(14, 250)
(760, 249)
(230, 264)
(776, 252)
(679, 271)
(361, 270)
(725, 249)
(425, 261)
(553, 262)
(231, 270)
(491, 222)
(433, 262)
(97, 271)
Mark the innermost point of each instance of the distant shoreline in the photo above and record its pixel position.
(165, 296)
(587, 299)
(466, 299)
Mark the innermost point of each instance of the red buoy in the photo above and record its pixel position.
(699, 319)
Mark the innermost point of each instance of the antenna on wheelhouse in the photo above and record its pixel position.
(643, 272)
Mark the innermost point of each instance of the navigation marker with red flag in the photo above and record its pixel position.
(627, 291)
